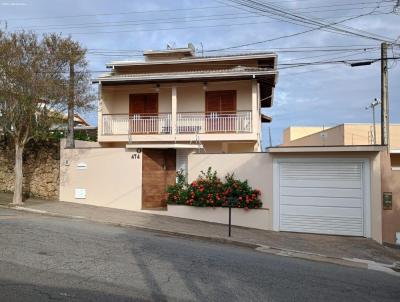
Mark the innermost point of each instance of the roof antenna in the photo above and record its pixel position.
(202, 49)
(171, 45)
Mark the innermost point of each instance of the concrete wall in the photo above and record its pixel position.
(390, 183)
(332, 136)
(292, 133)
(345, 134)
(255, 167)
(112, 178)
(250, 219)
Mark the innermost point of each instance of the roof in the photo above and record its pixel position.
(235, 73)
(186, 50)
(265, 118)
(248, 56)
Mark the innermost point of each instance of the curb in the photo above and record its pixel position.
(392, 269)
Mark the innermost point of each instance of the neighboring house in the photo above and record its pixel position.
(343, 135)
(174, 102)
(340, 135)
(82, 129)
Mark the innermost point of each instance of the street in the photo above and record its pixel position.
(45, 258)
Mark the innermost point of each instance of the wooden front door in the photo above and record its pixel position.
(159, 171)
(220, 110)
(143, 113)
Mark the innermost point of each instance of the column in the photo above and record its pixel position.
(99, 112)
(254, 106)
(174, 110)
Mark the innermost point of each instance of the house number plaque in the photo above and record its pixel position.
(137, 154)
(387, 200)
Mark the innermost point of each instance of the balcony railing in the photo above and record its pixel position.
(137, 124)
(186, 123)
(214, 122)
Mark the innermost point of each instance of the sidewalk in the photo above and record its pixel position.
(282, 243)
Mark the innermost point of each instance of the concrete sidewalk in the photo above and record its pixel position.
(310, 246)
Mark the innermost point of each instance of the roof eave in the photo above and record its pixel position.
(185, 77)
(192, 60)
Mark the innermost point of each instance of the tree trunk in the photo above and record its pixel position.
(71, 104)
(19, 176)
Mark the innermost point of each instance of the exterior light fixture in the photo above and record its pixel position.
(158, 87)
(205, 86)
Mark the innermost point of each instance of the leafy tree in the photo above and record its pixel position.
(29, 86)
(35, 89)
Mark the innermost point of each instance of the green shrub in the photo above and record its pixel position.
(209, 191)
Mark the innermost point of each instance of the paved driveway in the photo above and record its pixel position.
(47, 258)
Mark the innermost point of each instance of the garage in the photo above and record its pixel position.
(325, 196)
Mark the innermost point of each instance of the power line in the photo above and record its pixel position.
(291, 16)
(295, 17)
(119, 13)
(164, 20)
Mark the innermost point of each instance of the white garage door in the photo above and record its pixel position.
(324, 197)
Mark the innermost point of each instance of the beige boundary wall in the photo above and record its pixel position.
(257, 168)
(112, 177)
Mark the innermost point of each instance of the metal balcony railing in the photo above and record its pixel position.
(214, 122)
(137, 124)
(186, 123)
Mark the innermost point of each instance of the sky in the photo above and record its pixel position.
(316, 95)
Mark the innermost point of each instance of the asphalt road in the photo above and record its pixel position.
(57, 259)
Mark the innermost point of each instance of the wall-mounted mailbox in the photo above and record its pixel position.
(82, 166)
(387, 200)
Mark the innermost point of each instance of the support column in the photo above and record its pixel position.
(100, 111)
(255, 116)
(174, 106)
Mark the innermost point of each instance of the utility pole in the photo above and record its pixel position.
(373, 104)
(384, 97)
(70, 144)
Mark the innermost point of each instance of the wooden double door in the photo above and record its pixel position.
(143, 113)
(220, 111)
(158, 172)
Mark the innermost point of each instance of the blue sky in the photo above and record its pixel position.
(310, 95)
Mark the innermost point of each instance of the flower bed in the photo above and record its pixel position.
(209, 191)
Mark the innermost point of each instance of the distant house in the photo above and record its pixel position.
(343, 135)
(340, 135)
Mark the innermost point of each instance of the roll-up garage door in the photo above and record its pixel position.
(322, 197)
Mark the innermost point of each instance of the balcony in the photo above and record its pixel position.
(186, 123)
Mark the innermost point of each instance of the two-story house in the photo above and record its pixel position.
(174, 102)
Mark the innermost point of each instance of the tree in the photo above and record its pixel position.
(72, 58)
(30, 85)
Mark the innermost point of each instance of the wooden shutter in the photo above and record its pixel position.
(228, 102)
(146, 104)
(151, 104)
(221, 101)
